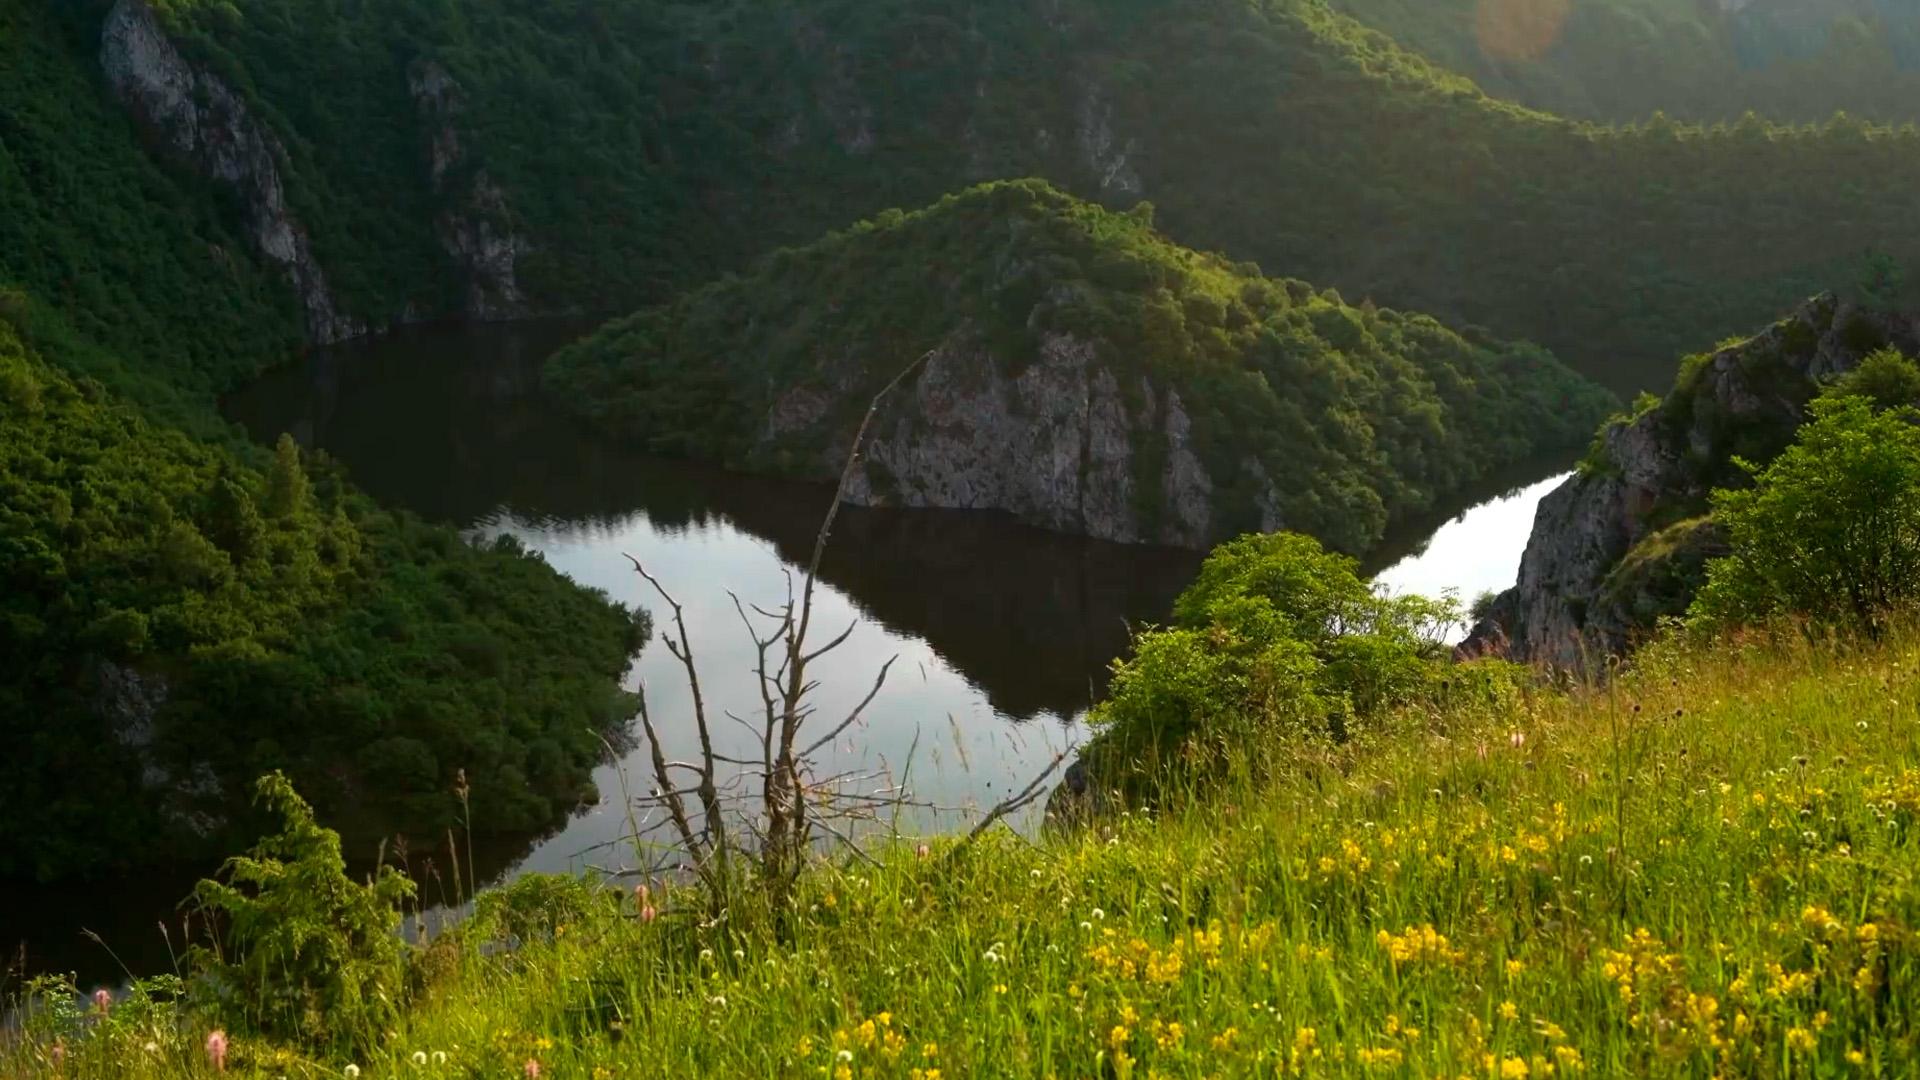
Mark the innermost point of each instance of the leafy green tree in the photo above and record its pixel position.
(1830, 531)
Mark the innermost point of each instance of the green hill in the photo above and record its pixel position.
(1796, 60)
(179, 609)
(639, 148)
(1086, 373)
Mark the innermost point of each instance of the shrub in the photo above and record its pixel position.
(1275, 643)
(300, 951)
(1885, 377)
(1830, 531)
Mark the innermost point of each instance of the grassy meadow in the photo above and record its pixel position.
(1707, 869)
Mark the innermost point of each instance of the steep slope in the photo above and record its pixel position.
(1794, 60)
(179, 610)
(1082, 372)
(607, 154)
(1624, 541)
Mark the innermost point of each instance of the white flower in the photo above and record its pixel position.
(739, 954)
(439, 1057)
(419, 1058)
(844, 1055)
(1085, 925)
(718, 1001)
(706, 955)
(1098, 914)
(351, 1071)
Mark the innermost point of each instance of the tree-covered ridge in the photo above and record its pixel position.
(110, 254)
(637, 146)
(1795, 60)
(1359, 415)
(172, 622)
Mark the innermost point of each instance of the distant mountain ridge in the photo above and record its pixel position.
(602, 157)
(1790, 60)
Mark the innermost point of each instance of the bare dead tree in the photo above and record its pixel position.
(787, 806)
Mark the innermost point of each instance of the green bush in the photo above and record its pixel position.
(1277, 643)
(299, 951)
(1885, 377)
(1830, 531)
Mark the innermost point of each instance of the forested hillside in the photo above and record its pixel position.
(179, 610)
(1192, 398)
(638, 148)
(1793, 60)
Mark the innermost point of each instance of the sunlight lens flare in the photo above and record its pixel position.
(1519, 29)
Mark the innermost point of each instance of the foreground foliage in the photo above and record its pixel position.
(1706, 871)
(298, 950)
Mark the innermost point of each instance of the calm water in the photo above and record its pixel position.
(1000, 635)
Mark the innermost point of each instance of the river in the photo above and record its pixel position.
(1000, 635)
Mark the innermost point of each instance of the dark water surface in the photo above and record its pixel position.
(1001, 634)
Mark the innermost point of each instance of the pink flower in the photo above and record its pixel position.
(923, 851)
(217, 1049)
(1517, 740)
(532, 1069)
(59, 1054)
(103, 1000)
(647, 914)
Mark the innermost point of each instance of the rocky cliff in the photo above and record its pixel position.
(198, 119)
(195, 117)
(1057, 445)
(1624, 541)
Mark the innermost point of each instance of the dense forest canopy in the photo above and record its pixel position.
(1360, 416)
(645, 147)
(180, 610)
(1795, 60)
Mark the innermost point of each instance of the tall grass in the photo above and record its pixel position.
(1706, 869)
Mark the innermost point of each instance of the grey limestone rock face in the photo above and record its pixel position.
(475, 226)
(200, 120)
(1056, 444)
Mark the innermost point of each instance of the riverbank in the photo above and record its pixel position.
(1706, 868)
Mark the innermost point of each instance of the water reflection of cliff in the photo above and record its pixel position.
(449, 423)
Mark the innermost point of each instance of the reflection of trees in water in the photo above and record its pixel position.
(449, 423)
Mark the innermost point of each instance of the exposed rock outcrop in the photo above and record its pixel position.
(475, 224)
(1108, 156)
(197, 118)
(1623, 541)
(129, 702)
(1056, 445)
